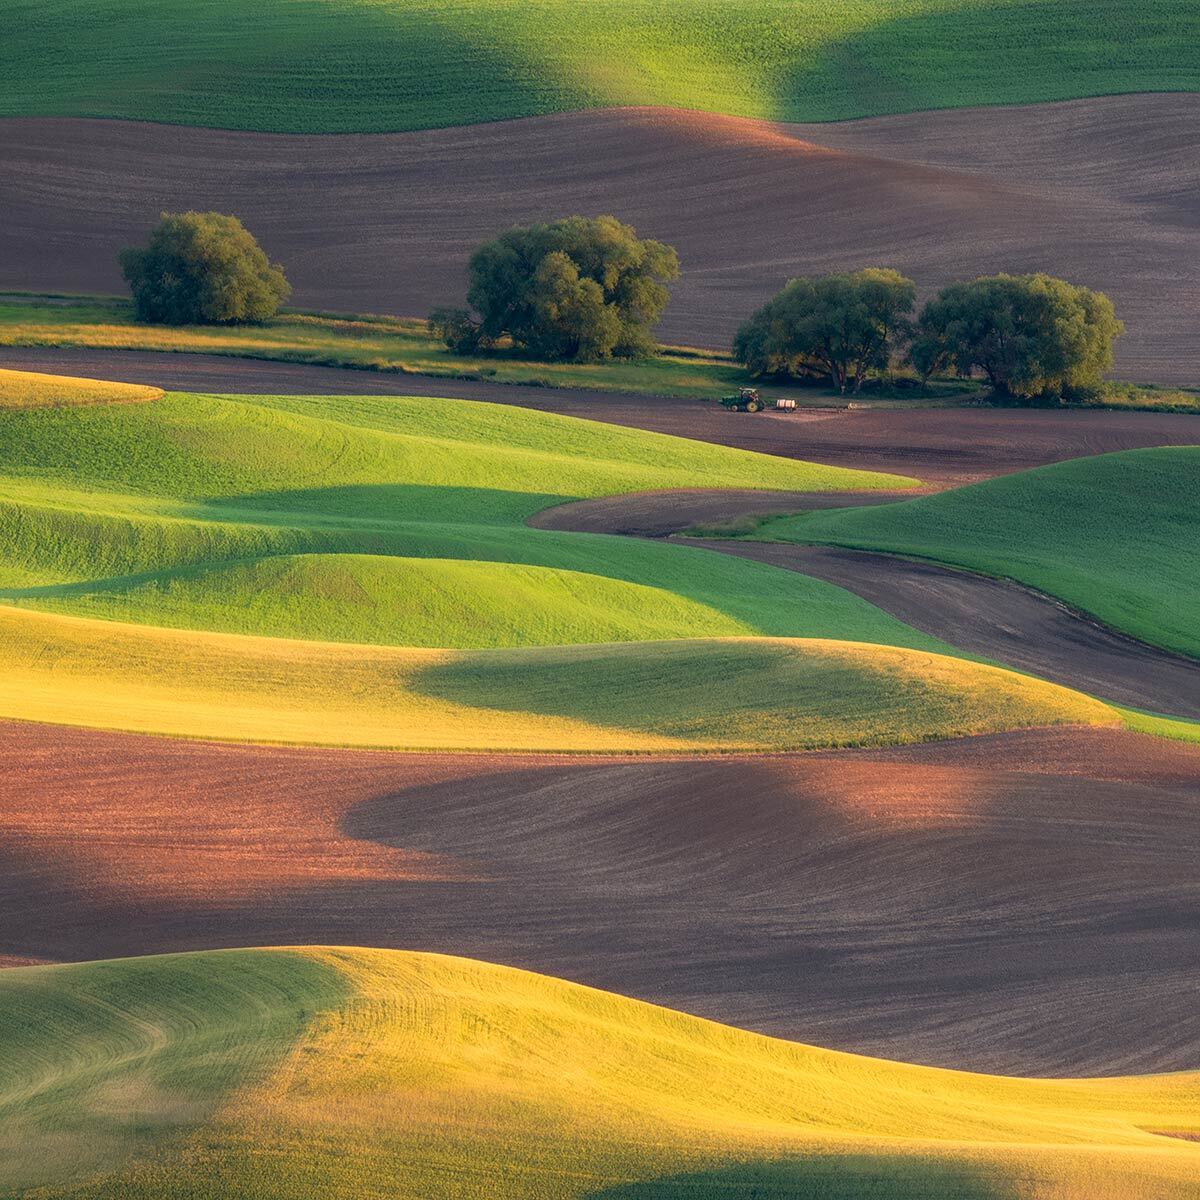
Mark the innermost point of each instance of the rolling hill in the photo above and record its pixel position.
(358, 66)
(681, 695)
(802, 895)
(1113, 535)
(316, 517)
(345, 1072)
(218, 611)
(236, 549)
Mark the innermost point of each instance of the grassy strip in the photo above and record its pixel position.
(391, 600)
(351, 1072)
(355, 65)
(1113, 535)
(399, 345)
(1176, 728)
(1147, 397)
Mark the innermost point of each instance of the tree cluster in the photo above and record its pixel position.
(840, 327)
(1030, 336)
(203, 269)
(585, 289)
(576, 289)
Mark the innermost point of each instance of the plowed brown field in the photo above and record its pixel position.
(1104, 191)
(1026, 902)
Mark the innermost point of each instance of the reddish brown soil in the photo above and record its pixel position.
(1025, 902)
(942, 446)
(275, 838)
(1104, 191)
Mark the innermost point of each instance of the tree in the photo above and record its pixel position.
(578, 288)
(202, 269)
(454, 327)
(1030, 336)
(839, 327)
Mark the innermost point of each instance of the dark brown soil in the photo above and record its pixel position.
(998, 620)
(661, 514)
(994, 618)
(1105, 192)
(941, 446)
(1025, 902)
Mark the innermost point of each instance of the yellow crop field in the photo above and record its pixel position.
(29, 389)
(702, 694)
(339, 1072)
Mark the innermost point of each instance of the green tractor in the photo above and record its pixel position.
(746, 400)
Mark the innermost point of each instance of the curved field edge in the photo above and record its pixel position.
(205, 446)
(32, 389)
(681, 695)
(341, 1071)
(1111, 535)
(1177, 729)
(356, 66)
(402, 347)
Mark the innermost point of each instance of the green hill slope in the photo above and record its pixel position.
(174, 547)
(1115, 536)
(384, 521)
(372, 65)
(192, 521)
(345, 1073)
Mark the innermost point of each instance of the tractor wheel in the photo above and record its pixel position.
(754, 406)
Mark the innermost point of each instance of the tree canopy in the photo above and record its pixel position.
(203, 269)
(1031, 336)
(840, 326)
(578, 288)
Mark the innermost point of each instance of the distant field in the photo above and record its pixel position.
(1114, 536)
(338, 1073)
(359, 65)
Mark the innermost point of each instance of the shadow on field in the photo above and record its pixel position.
(823, 1177)
(861, 71)
(676, 688)
(388, 503)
